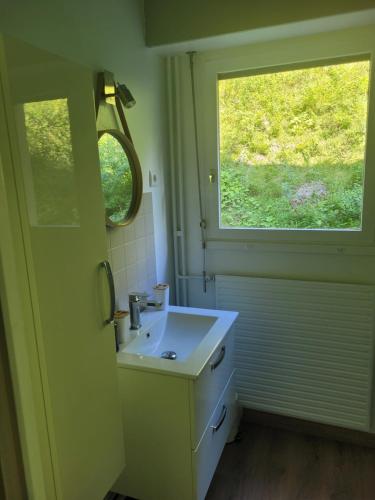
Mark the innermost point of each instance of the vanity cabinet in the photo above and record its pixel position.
(176, 427)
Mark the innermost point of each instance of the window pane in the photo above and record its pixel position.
(292, 148)
(51, 187)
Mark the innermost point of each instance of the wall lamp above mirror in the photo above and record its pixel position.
(120, 169)
(109, 89)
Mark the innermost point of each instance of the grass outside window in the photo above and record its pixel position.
(292, 148)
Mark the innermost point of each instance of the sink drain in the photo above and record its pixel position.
(169, 355)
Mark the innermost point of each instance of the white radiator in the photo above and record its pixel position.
(303, 349)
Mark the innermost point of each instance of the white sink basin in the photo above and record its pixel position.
(192, 333)
(174, 331)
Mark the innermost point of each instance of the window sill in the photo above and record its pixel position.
(313, 248)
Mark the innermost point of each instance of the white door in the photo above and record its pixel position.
(52, 131)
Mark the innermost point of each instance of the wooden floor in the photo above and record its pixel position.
(272, 464)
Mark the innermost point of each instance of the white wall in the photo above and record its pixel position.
(274, 260)
(352, 264)
(108, 35)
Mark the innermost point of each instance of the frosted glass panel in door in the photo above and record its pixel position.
(61, 203)
(51, 188)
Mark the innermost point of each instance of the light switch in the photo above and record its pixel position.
(153, 178)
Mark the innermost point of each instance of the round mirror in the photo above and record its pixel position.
(121, 177)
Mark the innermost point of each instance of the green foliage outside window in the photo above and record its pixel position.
(48, 135)
(292, 148)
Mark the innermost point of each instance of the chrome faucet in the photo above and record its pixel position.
(137, 304)
(135, 311)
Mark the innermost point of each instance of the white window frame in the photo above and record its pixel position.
(324, 48)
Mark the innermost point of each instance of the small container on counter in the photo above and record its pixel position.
(122, 322)
(161, 293)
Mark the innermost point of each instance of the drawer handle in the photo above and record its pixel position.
(220, 358)
(223, 414)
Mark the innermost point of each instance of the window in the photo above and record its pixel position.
(51, 187)
(292, 147)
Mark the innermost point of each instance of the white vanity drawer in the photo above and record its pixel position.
(207, 389)
(206, 457)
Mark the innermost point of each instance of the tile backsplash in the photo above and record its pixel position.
(131, 251)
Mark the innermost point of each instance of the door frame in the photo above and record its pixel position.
(18, 317)
(12, 478)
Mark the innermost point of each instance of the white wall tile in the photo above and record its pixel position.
(108, 238)
(129, 233)
(150, 244)
(143, 285)
(116, 236)
(118, 258)
(131, 276)
(141, 248)
(141, 210)
(140, 230)
(142, 270)
(131, 251)
(121, 289)
(149, 224)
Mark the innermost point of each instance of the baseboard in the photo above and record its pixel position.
(312, 428)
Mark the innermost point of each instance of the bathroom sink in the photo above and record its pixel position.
(172, 332)
(179, 340)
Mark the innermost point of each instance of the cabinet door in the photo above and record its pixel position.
(52, 131)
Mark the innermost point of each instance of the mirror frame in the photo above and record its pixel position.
(135, 167)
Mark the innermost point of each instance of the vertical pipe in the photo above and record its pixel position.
(180, 180)
(172, 156)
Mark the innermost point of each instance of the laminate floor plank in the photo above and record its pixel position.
(273, 464)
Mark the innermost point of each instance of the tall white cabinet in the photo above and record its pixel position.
(49, 165)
